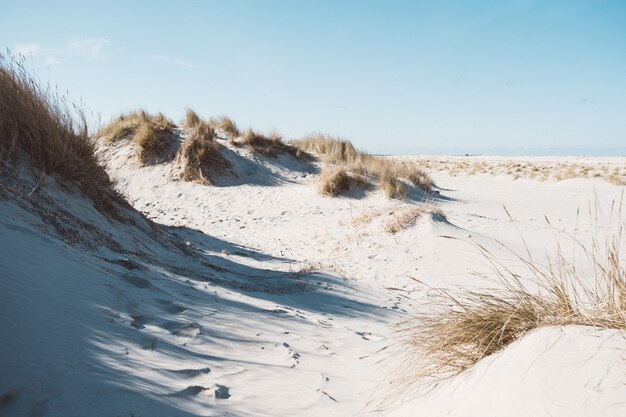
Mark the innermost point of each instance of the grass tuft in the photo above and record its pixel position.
(149, 132)
(40, 124)
(201, 156)
(269, 146)
(225, 125)
(191, 119)
(335, 182)
(386, 171)
(408, 217)
(393, 187)
(468, 326)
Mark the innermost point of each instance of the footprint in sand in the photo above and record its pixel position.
(369, 336)
(295, 356)
(184, 330)
(189, 373)
(148, 343)
(136, 281)
(171, 307)
(191, 391)
(221, 392)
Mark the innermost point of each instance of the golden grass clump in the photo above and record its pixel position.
(408, 217)
(191, 119)
(333, 150)
(39, 123)
(269, 146)
(335, 182)
(393, 187)
(226, 125)
(201, 156)
(149, 132)
(386, 171)
(469, 326)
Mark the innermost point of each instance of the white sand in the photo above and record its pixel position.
(85, 336)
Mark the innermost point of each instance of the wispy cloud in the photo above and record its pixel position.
(27, 49)
(90, 48)
(587, 100)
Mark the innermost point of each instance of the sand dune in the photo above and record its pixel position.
(259, 297)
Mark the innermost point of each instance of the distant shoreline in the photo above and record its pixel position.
(515, 152)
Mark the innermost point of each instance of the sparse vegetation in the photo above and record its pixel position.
(337, 181)
(38, 123)
(269, 146)
(393, 187)
(200, 156)
(149, 132)
(386, 171)
(542, 170)
(406, 218)
(225, 125)
(474, 324)
(191, 119)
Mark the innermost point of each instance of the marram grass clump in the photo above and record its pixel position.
(404, 219)
(201, 157)
(388, 173)
(150, 133)
(270, 146)
(467, 326)
(191, 119)
(338, 181)
(37, 123)
(226, 126)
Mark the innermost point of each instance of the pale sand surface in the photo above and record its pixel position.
(542, 168)
(299, 315)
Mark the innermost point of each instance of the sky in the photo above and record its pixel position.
(480, 76)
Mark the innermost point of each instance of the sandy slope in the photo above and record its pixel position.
(222, 303)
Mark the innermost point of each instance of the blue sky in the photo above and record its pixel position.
(394, 76)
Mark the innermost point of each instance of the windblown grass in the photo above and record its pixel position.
(149, 132)
(201, 156)
(225, 125)
(40, 124)
(191, 119)
(406, 218)
(387, 172)
(471, 325)
(269, 146)
(335, 182)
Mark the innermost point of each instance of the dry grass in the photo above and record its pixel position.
(335, 182)
(191, 119)
(387, 172)
(39, 123)
(408, 217)
(542, 170)
(225, 125)
(469, 326)
(201, 156)
(149, 132)
(393, 187)
(269, 146)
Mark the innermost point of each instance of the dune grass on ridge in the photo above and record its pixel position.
(388, 173)
(225, 125)
(339, 181)
(149, 132)
(270, 145)
(200, 155)
(39, 123)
